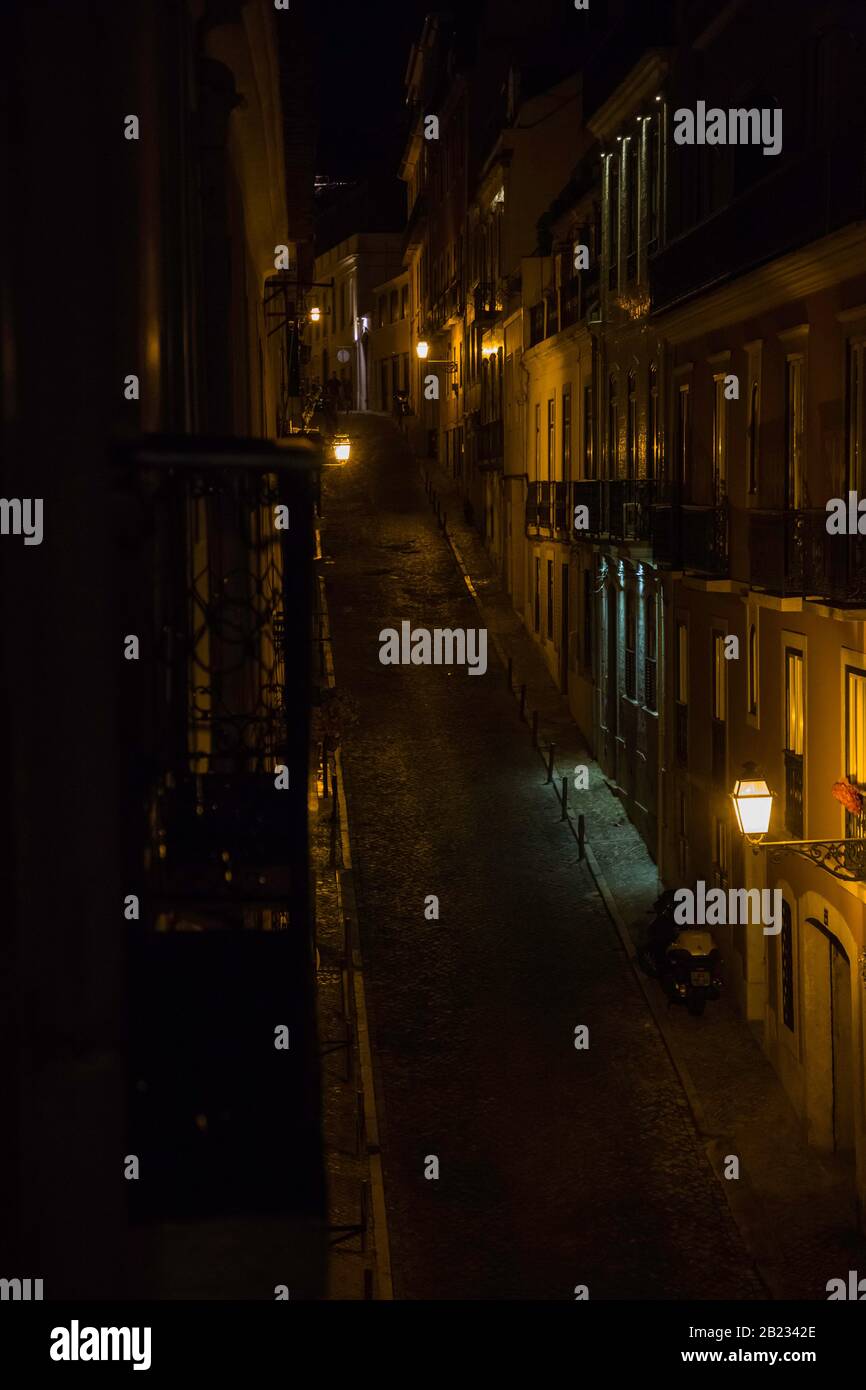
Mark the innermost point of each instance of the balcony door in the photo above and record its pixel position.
(611, 674)
(795, 408)
(795, 725)
(720, 441)
(683, 439)
(855, 762)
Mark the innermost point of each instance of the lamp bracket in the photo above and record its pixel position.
(827, 854)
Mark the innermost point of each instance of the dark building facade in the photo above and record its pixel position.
(156, 914)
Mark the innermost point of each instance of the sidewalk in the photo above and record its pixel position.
(795, 1209)
(358, 1263)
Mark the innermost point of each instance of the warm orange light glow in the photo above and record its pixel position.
(422, 348)
(342, 449)
(753, 805)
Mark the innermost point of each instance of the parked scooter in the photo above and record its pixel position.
(685, 960)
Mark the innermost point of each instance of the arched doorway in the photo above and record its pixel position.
(828, 1039)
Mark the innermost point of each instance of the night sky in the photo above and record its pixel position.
(363, 51)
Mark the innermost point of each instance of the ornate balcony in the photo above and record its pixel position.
(704, 539)
(629, 508)
(485, 301)
(792, 553)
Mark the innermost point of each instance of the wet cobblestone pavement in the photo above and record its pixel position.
(558, 1166)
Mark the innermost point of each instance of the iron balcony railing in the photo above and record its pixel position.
(792, 553)
(484, 298)
(634, 511)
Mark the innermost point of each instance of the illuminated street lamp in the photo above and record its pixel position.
(342, 448)
(422, 347)
(315, 314)
(753, 805)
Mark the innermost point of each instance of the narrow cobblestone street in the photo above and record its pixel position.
(558, 1166)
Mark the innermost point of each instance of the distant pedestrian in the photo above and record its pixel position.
(401, 408)
(346, 388)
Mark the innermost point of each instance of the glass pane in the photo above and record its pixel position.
(856, 769)
(794, 720)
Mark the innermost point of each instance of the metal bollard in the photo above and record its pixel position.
(535, 728)
(550, 752)
(581, 836)
(564, 815)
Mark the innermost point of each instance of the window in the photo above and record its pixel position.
(587, 619)
(652, 424)
(683, 437)
(404, 302)
(794, 723)
(653, 164)
(381, 311)
(537, 594)
(720, 708)
(855, 762)
(719, 677)
(794, 436)
(550, 598)
(720, 851)
(588, 431)
(632, 155)
(787, 944)
(682, 688)
(855, 726)
(720, 440)
(856, 417)
(631, 428)
(753, 670)
(794, 739)
(538, 441)
(612, 219)
(551, 437)
(752, 438)
(773, 950)
(650, 640)
(393, 306)
(612, 428)
(682, 663)
(630, 645)
(566, 432)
